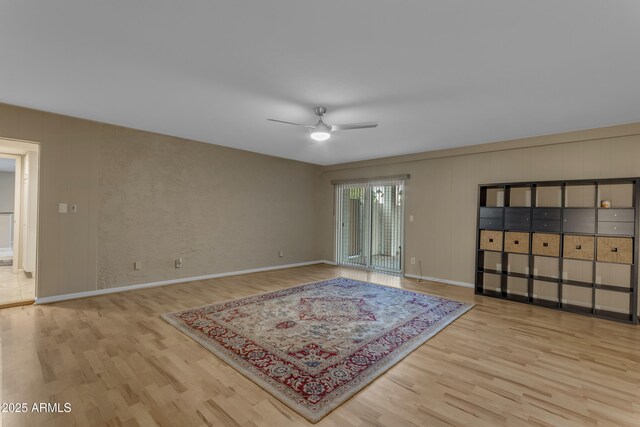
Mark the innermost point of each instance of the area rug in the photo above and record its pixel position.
(314, 346)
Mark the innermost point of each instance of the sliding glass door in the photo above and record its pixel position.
(370, 225)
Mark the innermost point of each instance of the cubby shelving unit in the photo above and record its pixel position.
(550, 243)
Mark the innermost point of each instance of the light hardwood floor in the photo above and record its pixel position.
(15, 287)
(502, 363)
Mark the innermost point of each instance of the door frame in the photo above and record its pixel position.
(18, 148)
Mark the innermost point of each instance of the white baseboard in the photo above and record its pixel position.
(435, 279)
(86, 294)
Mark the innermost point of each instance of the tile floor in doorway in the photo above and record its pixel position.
(15, 287)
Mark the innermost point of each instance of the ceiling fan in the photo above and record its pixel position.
(322, 131)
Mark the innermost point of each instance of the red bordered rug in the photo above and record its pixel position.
(314, 346)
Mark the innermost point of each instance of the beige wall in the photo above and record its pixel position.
(219, 209)
(442, 190)
(152, 198)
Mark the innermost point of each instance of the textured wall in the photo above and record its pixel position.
(219, 209)
(153, 198)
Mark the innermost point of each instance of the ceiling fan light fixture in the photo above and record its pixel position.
(320, 135)
(322, 131)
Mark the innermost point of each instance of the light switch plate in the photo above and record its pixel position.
(62, 208)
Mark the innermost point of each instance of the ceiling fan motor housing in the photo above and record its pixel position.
(320, 111)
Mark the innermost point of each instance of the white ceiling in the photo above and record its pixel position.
(435, 74)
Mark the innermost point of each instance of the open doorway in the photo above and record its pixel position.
(19, 166)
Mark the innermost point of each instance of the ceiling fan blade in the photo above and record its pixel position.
(350, 126)
(290, 123)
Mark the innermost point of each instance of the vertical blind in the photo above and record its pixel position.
(370, 224)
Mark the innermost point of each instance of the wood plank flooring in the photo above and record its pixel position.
(502, 363)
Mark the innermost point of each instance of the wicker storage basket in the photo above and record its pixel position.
(546, 244)
(491, 240)
(579, 247)
(516, 242)
(615, 249)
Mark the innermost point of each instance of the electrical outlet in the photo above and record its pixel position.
(413, 260)
(179, 263)
(137, 265)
